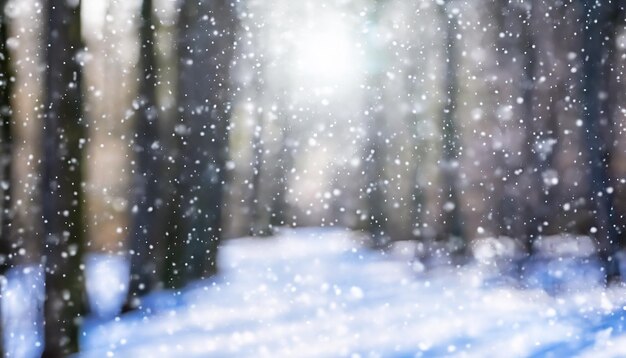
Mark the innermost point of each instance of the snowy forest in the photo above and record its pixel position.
(324, 178)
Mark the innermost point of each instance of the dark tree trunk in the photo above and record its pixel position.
(547, 88)
(257, 168)
(451, 213)
(374, 158)
(6, 156)
(206, 41)
(279, 206)
(6, 142)
(374, 154)
(523, 203)
(258, 148)
(144, 245)
(513, 83)
(63, 140)
(599, 21)
(536, 136)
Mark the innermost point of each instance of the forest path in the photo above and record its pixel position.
(318, 292)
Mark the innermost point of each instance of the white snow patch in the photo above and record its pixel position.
(318, 293)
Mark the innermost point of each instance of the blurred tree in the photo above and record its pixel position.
(451, 215)
(374, 156)
(516, 58)
(510, 22)
(6, 156)
(374, 149)
(62, 190)
(543, 93)
(538, 149)
(257, 146)
(267, 137)
(271, 157)
(599, 29)
(279, 207)
(205, 43)
(145, 253)
(6, 140)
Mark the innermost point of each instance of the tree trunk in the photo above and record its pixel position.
(598, 41)
(6, 142)
(257, 226)
(374, 154)
(257, 168)
(206, 41)
(534, 161)
(279, 205)
(374, 158)
(144, 245)
(451, 213)
(513, 86)
(63, 140)
(6, 156)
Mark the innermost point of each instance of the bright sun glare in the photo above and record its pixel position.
(327, 53)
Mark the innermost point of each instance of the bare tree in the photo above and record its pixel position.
(261, 149)
(373, 151)
(6, 156)
(451, 214)
(272, 153)
(144, 248)
(513, 85)
(258, 150)
(206, 41)
(599, 27)
(6, 139)
(62, 190)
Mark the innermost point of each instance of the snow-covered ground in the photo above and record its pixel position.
(319, 293)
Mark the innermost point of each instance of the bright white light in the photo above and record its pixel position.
(327, 53)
